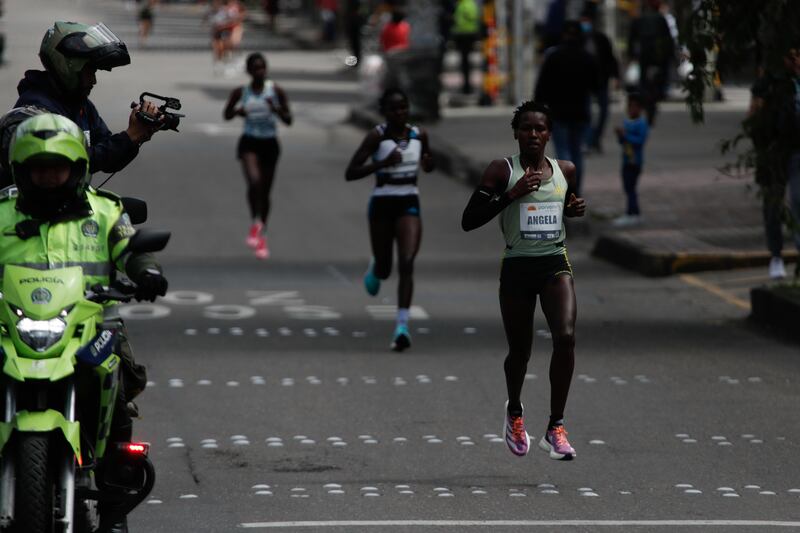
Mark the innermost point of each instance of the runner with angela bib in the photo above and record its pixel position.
(532, 193)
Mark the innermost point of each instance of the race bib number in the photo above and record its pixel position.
(540, 221)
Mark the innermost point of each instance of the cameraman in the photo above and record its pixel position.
(72, 54)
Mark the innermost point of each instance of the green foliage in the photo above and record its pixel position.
(771, 30)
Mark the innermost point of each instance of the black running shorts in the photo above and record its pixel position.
(527, 276)
(390, 208)
(267, 150)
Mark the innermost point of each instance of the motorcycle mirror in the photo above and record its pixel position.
(145, 240)
(136, 209)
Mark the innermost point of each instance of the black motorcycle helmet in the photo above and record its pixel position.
(68, 47)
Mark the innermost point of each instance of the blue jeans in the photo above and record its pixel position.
(567, 137)
(773, 209)
(630, 178)
(594, 133)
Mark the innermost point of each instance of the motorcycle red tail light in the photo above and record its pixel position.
(136, 448)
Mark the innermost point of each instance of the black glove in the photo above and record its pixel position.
(150, 284)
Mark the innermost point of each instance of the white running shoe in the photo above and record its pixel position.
(626, 221)
(776, 268)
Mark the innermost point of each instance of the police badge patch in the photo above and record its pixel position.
(90, 228)
(41, 296)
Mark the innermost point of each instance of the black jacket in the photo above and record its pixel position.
(607, 66)
(107, 152)
(567, 79)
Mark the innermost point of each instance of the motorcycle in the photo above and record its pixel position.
(59, 383)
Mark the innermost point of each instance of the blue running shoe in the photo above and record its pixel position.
(371, 282)
(402, 339)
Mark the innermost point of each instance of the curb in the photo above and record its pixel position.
(447, 157)
(623, 251)
(777, 308)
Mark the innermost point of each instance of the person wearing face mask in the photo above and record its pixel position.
(599, 46)
(71, 54)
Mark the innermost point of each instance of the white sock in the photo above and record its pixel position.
(402, 317)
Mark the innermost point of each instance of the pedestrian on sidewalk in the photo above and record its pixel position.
(221, 22)
(237, 13)
(397, 151)
(259, 103)
(773, 124)
(599, 46)
(395, 33)
(355, 18)
(465, 33)
(567, 79)
(632, 136)
(532, 193)
(650, 45)
(146, 16)
(328, 12)
(272, 9)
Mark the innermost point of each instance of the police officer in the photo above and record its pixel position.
(72, 53)
(54, 218)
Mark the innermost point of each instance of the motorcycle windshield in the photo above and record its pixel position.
(42, 294)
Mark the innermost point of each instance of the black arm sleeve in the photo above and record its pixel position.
(483, 206)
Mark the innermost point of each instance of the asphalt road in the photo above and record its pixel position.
(274, 400)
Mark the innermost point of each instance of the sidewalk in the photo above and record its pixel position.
(695, 218)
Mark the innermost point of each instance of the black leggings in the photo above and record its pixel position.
(259, 158)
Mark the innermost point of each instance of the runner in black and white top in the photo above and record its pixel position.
(397, 150)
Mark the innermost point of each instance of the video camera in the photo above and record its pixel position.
(166, 120)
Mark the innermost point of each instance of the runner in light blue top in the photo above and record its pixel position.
(261, 102)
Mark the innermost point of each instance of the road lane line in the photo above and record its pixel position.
(716, 291)
(516, 523)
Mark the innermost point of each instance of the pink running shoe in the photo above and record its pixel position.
(516, 437)
(262, 252)
(254, 234)
(556, 444)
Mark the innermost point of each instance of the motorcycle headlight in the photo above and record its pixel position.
(41, 334)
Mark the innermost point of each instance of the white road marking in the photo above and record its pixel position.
(229, 312)
(144, 311)
(388, 312)
(338, 275)
(520, 523)
(312, 312)
(188, 298)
